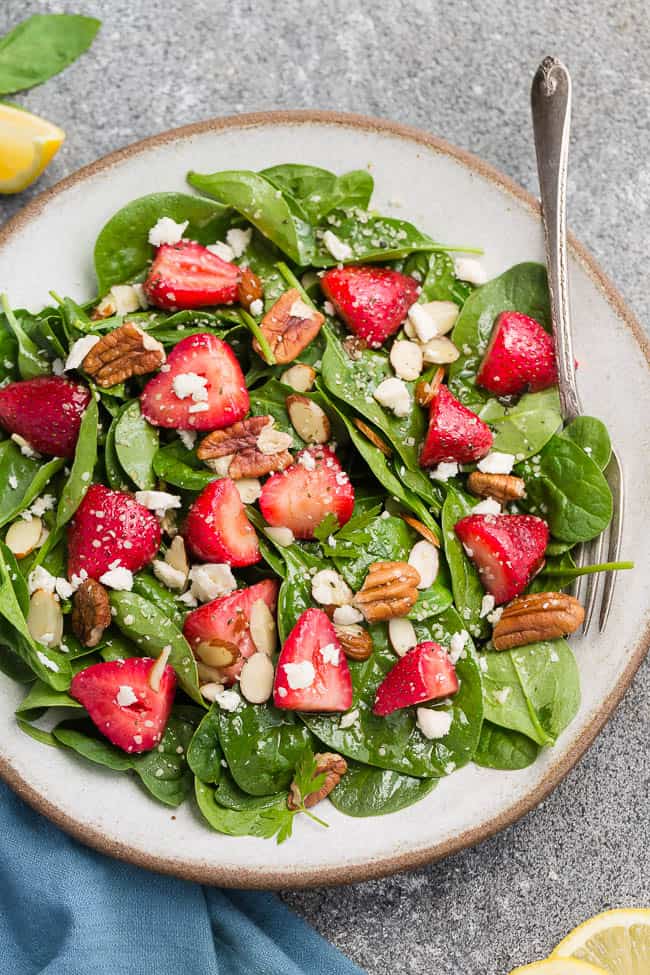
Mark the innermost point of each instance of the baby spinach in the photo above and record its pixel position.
(438, 279)
(466, 583)
(523, 429)
(41, 695)
(31, 360)
(81, 472)
(389, 540)
(591, 434)
(319, 191)
(179, 466)
(146, 585)
(151, 631)
(115, 476)
(502, 748)
(23, 479)
(204, 754)
(228, 794)
(370, 238)
(533, 689)
(275, 820)
(295, 592)
(122, 249)
(136, 445)
(41, 46)
(432, 601)
(368, 791)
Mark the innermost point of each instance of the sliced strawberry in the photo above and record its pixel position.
(123, 705)
(46, 412)
(519, 357)
(312, 673)
(202, 387)
(302, 495)
(228, 619)
(372, 301)
(455, 433)
(425, 673)
(188, 275)
(217, 529)
(507, 550)
(110, 526)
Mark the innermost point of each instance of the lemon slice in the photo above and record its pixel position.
(27, 144)
(559, 966)
(618, 941)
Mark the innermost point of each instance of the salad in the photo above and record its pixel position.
(289, 511)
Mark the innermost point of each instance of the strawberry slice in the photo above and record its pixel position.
(425, 673)
(188, 275)
(507, 550)
(312, 673)
(372, 301)
(217, 529)
(519, 357)
(123, 705)
(46, 412)
(228, 619)
(300, 496)
(202, 387)
(110, 526)
(455, 433)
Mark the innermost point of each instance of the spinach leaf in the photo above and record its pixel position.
(534, 689)
(11, 663)
(389, 540)
(146, 585)
(31, 361)
(81, 472)
(395, 742)
(591, 434)
(319, 191)
(370, 238)
(38, 734)
(567, 488)
(523, 429)
(204, 754)
(115, 476)
(42, 46)
(368, 791)
(432, 601)
(151, 631)
(122, 250)
(502, 748)
(276, 214)
(265, 823)
(29, 475)
(8, 354)
(136, 444)
(438, 279)
(41, 695)
(466, 583)
(228, 794)
(179, 466)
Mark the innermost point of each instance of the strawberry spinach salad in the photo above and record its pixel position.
(289, 510)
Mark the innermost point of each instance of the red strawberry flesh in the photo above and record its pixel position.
(372, 301)
(507, 550)
(455, 433)
(46, 412)
(425, 673)
(520, 357)
(188, 275)
(217, 528)
(312, 673)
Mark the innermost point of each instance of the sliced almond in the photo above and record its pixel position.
(426, 389)
(217, 653)
(158, 669)
(256, 680)
(373, 437)
(262, 627)
(176, 555)
(330, 589)
(280, 535)
(440, 350)
(24, 536)
(432, 318)
(401, 633)
(300, 377)
(309, 420)
(424, 557)
(355, 640)
(45, 618)
(421, 529)
(211, 690)
(168, 575)
(209, 675)
(406, 359)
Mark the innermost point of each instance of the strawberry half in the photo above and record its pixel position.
(202, 387)
(217, 529)
(188, 275)
(109, 526)
(455, 433)
(228, 619)
(46, 412)
(519, 357)
(300, 496)
(312, 673)
(372, 301)
(425, 673)
(507, 550)
(123, 705)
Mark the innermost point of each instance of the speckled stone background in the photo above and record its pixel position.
(461, 70)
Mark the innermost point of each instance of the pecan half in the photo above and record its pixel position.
(355, 640)
(422, 529)
(501, 487)
(91, 612)
(289, 326)
(333, 766)
(426, 389)
(126, 351)
(389, 590)
(538, 616)
(239, 442)
(373, 437)
(249, 289)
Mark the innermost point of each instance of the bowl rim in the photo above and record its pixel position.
(381, 866)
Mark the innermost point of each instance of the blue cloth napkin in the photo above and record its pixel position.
(66, 910)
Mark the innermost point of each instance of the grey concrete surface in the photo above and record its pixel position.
(461, 70)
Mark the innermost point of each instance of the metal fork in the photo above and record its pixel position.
(551, 110)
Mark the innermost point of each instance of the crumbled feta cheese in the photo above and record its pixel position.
(256, 307)
(187, 384)
(26, 449)
(495, 616)
(239, 239)
(346, 615)
(125, 696)
(330, 589)
(496, 463)
(249, 488)
(58, 367)
(487, 605)
(502, 695)
(45, 503)
(40, 578)
(272, 441)
(300, 675)
(487, 507)
(168, 575)
(331, 654)
(79, 350)
(63, 588)
(394, 395)
(211, 580)
(433, 724)
(308, 461)
(228, 700)
(300, 309)
(457, 646)
(167, 231)
(158, 501)
(188, 438)
(339, 250)
(469, 269)
(444, 471)
(224, 251)
(349, 718)
(13, 481)
(118, 577)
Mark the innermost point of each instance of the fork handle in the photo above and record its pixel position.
(551, 110)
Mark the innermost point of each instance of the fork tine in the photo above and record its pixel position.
(595, 553)
(614, 475)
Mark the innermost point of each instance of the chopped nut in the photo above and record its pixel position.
(309, 420)
(330, 589)
(538, 616)
(256, 679)
(373, 437)
(389, 590)
(262, 627)
(426, 389)
(23, 536)
(406, 359)
(501, 487)
(401, 634)
(91, 612)
(158, 669)
(126, 351)
(289, 326)
(421, 529)
(176, 555)
(300, 377)
(281, 536)
(333, 766)
(209, 674)
(211, 691)
(249, 289)
(424, 557)
(239, 444)
(45, 619)
(249, 489)
(217, 653)
(355, 640)
(440, 349)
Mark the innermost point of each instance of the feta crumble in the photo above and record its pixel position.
(167, 231)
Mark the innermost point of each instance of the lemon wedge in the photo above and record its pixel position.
(27, 144)
(617, 941)
(559, 966)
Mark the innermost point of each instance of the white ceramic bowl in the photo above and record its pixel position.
(457, 199)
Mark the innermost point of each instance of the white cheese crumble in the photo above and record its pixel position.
(256, 307)
(125, 696)
(393, 394)
(300, 309)
(224, 251)
(457, 646)
(211, 580)
(337, 247)
(118, 577)
(496, 462)
(487, 507)
(349, 718)
(228, 700)
(487, 605)
(347, 615)
(158, 501)
(444, 471)
(331, 654)
(300, 675)
(79, 350)
(469, 269)
(238, 240)
(167, 231)
(45, 660)
(433, 724)
(188, 438)
(187, 384)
